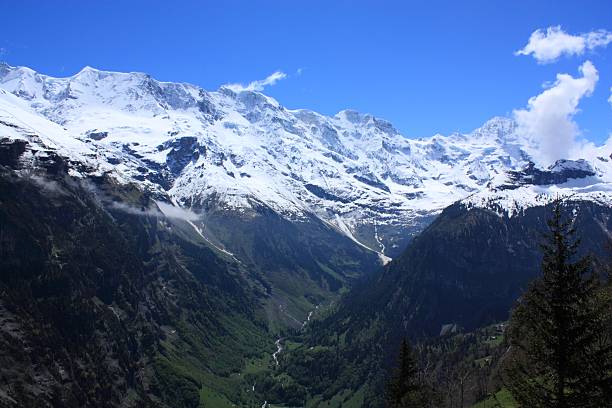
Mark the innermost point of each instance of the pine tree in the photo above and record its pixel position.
(405, 389)
(561, 353)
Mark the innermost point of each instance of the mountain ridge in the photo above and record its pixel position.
(236, 149)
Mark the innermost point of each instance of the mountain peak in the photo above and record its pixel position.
(6, 68)
(497, 128)
(350, 115)
(88, 68)
(94, 74)
(368, 120)
(355, 117)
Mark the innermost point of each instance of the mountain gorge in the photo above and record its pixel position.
(157, 238)
(464, 272)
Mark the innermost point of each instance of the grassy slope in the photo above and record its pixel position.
(501, 399)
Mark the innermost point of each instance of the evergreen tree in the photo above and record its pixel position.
(559, 333)
(405, 389)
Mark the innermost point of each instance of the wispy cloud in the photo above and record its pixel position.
(46, 185)
(549, 117)
(258, 85)
(162, 210)
(172, 211)
(547, 46)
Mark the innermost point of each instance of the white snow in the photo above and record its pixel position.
(513, 202)
(350, 169)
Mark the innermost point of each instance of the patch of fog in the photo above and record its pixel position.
(172, 211)
(129, 209)
(48, 186)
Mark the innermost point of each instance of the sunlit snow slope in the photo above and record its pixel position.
(242, 150)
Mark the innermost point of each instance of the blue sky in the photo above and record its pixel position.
(427, 66)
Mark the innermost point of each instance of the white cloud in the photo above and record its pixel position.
(172, 211)
(547, 46)
(548, 118)
(589, 150)
(46, 185)
(610, 98)
(163, 209)
(258, 85)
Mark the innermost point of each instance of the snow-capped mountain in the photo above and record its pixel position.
(239, 151)
(530, 186)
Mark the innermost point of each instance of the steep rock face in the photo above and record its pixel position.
(560, 172)
(58, 299)
(104, 301)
